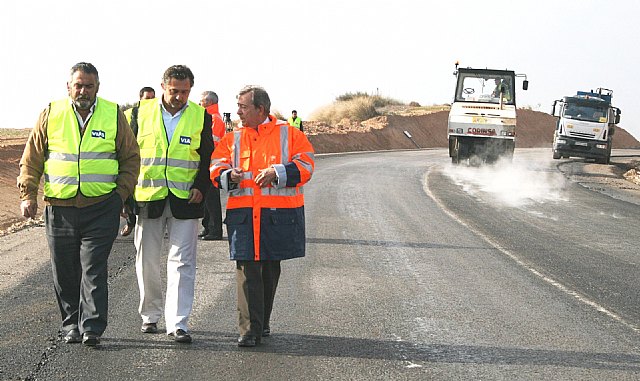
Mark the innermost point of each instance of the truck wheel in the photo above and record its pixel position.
(556, 155)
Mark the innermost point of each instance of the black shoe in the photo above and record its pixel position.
(203, 233)
(73, 336)
(149, 328)
(248, 341)
(90, 339)
(211, 237)
(181, 336)
(266, 331)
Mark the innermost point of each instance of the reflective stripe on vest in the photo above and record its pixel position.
(167, 166)
(89, 162)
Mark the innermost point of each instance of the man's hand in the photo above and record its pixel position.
(29, 208)
(236, 175)
(266, 177)
(195, 196)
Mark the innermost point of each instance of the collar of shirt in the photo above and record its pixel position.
(171, 121)
(258, 126)
(81, 122)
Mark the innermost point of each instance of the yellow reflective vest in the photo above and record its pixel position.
(88, 162)
(167, 166)
(297, 122)
(127, 114)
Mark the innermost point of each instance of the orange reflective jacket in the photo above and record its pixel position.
(218, 128)
(264, 223)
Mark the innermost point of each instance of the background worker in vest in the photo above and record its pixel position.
(90, 160)
(212, 221)
(295, 121)
(145, 93)
(265, 208)
(175, 141)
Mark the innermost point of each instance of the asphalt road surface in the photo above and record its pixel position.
(415, 270)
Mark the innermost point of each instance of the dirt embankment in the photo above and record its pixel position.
(10, 153)
(535, 130)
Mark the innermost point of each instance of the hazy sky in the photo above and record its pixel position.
(305, 53)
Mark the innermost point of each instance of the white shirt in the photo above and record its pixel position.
(171, 121)
(81, 122)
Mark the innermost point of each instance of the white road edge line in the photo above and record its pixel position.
(551, 281)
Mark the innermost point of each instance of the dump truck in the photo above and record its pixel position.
(585, 125)
(482, 119)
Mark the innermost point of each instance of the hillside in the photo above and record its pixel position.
(535, 130)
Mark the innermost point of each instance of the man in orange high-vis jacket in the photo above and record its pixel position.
(212, 220)
(263, 166)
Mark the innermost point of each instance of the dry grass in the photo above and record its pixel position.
(355, 109)
(358, 107)
(14, 132)
(279, 115)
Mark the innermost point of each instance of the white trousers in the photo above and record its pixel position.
(181, 268)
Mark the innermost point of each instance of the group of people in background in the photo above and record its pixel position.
(161, 165)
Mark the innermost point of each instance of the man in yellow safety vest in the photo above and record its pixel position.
(90, 161)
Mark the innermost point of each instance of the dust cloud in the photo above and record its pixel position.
(518, 184)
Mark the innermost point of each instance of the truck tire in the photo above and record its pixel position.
(453, 150)
(556, 155)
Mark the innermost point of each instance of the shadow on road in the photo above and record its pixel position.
(349, 347)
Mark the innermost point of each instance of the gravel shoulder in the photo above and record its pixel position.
(606, 179)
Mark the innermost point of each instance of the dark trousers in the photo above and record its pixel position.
(212, 221)
(80, 240)
(256, 283)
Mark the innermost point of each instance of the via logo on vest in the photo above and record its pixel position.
(98, 134)
(185, 140)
